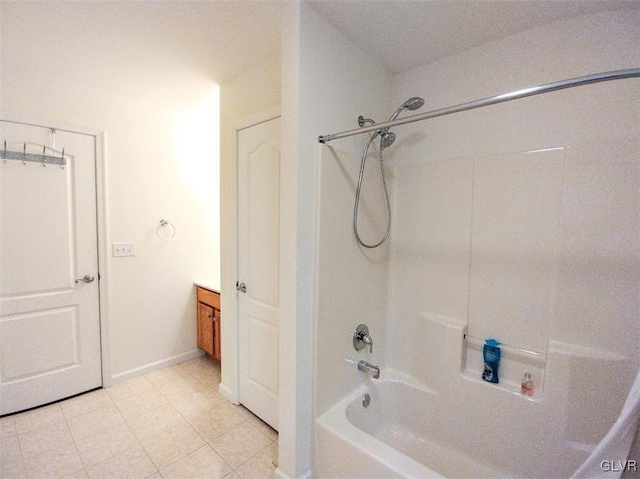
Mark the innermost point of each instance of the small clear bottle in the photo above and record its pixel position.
(526, 387)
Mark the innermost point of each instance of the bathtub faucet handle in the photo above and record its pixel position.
(361, 338)
(368, 341)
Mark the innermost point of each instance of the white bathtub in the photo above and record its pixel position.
(395, 436)
(444, 421)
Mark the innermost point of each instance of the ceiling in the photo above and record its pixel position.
(155, 48)
(405, 34)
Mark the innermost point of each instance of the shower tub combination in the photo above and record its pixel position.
(417, 425)
(398, 426)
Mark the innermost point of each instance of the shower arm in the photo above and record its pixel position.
(549, 87)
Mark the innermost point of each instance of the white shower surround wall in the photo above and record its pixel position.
(555, 272)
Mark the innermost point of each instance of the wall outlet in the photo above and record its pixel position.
(124, 249)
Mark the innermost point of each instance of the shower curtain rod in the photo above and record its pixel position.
(549, 87)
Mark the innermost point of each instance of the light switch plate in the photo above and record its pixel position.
(124, 249)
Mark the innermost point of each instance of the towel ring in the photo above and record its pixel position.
(164, 224)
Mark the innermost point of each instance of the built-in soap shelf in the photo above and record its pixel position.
(514, 363)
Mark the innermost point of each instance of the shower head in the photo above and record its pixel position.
(414, 103)
(411, 104)
(387, 139)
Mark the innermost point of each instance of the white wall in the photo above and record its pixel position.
(295, 420)
(322, 75)
(61, 63)
(342, 83)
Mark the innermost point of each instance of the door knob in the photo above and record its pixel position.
(87, 279)
(241, 287)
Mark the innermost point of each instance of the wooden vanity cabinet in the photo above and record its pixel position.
(209, 321)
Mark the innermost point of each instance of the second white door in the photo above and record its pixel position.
(258, 266)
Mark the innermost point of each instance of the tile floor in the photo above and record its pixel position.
(169, 424)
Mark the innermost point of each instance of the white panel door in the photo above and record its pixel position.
(259, 261)
(49, 323)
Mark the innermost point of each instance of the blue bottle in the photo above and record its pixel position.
(491, 355)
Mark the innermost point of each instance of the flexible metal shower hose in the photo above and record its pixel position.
(386, 196)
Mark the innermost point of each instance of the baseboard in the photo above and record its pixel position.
(279, 474)
(163, 363)
(306, 475)
(228, 394)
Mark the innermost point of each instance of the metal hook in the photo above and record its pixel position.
(5, 151)
(62, 157)
(44, 151)
(24, 153)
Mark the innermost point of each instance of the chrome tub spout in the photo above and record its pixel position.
(368, 368)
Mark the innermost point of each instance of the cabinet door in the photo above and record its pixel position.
(205, 328)
(216, 334)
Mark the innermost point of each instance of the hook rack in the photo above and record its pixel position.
(25, 157)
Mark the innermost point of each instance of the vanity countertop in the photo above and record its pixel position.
(209, 284)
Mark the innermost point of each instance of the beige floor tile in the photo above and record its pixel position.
(192, 398)
(161, 376)
(105, 425)
(139, 404)
(11, 462)
(204, 368)
(9, 449)
(85, 403)
(13, 469)
(201, 363)
(183, 383)
(77, 475)
(105, 444)
(207, 379)
(95, 421)
(130, 464)
(203, 463)
(240, 444)
(8, 427)
(38, 418)
(56, 463)
(129, 388)
(156, 421)
(45, 439)
(243, 411)
(260, 466)
(192, 405)
(263, 427)
(172, 445)
(219, 419)
(190, 385)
